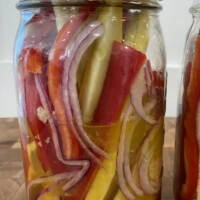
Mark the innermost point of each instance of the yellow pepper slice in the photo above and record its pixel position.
(61, 14)
(102, 184)
(36, 171)
(137, 31)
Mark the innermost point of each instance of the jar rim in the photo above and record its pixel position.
(195, 8)
(22, 4)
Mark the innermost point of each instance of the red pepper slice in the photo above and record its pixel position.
(181, 132)
(158, 79)
(69, 145)
(191, 146)
(34, 61)
(125, 62)
(159, 84)
(41, 131)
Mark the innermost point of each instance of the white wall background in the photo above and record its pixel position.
(175, 22)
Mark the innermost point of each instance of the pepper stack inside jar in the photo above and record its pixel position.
(91, 86)
(187, 162)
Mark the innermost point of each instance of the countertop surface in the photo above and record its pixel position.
(11, 168)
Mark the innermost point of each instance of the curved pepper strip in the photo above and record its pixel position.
(191, 146)
(69, 145)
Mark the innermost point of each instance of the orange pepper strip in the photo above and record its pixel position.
(34, 61)
(191, 146)
(31, 60)
(69, 145)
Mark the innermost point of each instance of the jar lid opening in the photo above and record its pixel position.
(41, 3)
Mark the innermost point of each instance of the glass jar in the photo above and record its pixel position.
(91, 93)
(186, 182)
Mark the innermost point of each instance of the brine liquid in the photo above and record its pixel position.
(101, 183)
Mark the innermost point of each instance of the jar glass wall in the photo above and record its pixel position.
(91, 86)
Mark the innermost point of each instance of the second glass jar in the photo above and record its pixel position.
(187, 163)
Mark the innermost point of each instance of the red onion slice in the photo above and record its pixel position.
(144, 163)
(127, 170)
(143, 170)
(137, 92)
(120, 161)
(148, 79)
(70, 96)
(146, 83)
(144, 173)
(49, 189)
(75, 176)
(133, 118)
